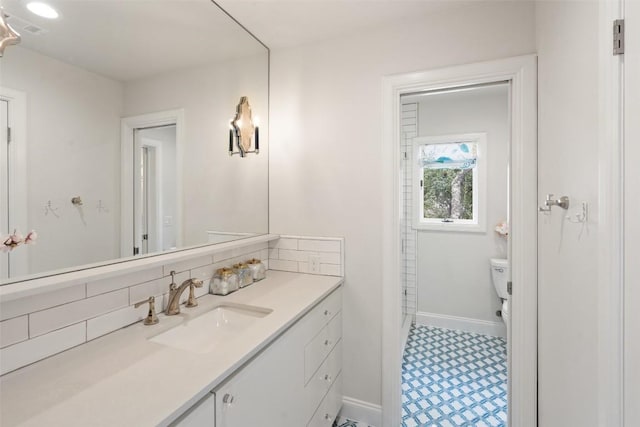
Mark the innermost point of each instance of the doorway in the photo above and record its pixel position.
(455, 158)
(151, 183)
(13, 173)
(520, 74)
(154, 189)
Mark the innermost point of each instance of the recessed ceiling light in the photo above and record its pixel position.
(42, 9)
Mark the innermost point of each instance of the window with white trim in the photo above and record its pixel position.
(450, 184)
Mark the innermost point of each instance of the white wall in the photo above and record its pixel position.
(454, 277)
(567, 43)
(220, 193)
(326, 115)
(72, 115)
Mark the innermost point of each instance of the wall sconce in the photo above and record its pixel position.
(244, 129)
(8, 36)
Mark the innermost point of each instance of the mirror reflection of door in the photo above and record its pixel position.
(4, 188)
(155, 191)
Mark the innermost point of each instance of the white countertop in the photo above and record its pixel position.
(123, 379)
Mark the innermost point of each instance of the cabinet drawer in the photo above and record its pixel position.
(324, 312)
(322, 380)
(330, 406)
(317, 350)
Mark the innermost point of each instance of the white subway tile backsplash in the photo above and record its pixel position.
(284, 243)
(26, 352)
(330, 270)
(119, 282)
(303, 267)
(188, 264)
(204, 273)
(330, 257)
(291, 255)
(9, 309)
(54, 318)
(283, 265)
(155, 287)
(319, 245)
(36, 327)
(14, 330)
(115, 320)
(328, 250)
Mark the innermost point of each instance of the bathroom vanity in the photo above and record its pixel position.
(268, 355)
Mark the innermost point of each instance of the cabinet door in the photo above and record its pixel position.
(202, 414)
(266, 392)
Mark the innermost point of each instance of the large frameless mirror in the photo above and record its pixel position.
(114, 142)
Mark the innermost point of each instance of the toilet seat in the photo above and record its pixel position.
(505, 311)
(505, 314)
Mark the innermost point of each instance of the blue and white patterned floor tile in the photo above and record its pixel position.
(345, 422)
(453, 379)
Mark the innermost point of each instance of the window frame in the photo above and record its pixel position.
(476, 225)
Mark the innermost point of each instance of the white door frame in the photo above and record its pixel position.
(522, 73)
(631, 149)
(611, 207)
(18, 159)
(129, 124)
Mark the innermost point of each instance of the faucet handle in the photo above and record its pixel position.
(192, 301)
(172, 285)
(151, 318)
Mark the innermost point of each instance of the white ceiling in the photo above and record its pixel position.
(131, 39)
(281, 24)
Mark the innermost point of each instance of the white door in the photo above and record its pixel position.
(632, 213)
(4, 186)
(146, 206)
(13, 179)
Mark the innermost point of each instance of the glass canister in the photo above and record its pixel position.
(245, 275)
(258, 269)
(224, 282)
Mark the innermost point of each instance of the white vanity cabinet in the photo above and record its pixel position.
(294, 382)
(199, 415)
(288, 383)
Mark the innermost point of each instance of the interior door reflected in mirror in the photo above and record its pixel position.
(155, 195)
(106, 105)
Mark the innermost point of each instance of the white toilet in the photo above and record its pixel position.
(500, 277)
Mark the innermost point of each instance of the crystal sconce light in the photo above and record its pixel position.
(244, 130)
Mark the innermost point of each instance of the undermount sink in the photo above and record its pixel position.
(212, 329)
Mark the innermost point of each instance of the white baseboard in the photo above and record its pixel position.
(365, 412)
(485, 327)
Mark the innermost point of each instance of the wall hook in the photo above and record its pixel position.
(76, 201)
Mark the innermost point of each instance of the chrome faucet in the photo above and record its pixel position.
(175, 291)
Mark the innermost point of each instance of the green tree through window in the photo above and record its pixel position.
(448, 193)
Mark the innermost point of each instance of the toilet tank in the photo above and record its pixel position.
(500, 276)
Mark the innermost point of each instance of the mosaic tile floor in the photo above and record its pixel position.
(345, 422)
(453, 378)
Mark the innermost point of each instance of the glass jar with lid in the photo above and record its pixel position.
(225, 281)
(258, 270)
(245, 275)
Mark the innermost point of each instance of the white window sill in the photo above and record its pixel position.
(450, 226)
